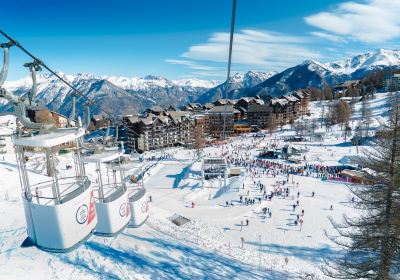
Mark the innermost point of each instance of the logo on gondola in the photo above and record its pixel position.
(92, 212)
(128, 209)
(82, 214)
(122, 210)
(145, 207)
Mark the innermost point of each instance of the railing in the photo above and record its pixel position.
(65, 188)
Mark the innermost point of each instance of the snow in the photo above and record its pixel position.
(47, 81)
(367, 61)
(196, 83)
(209, 245)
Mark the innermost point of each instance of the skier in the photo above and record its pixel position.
(192, 204)
(150, 198)
(298, 194)
(227, 204)
(331, 207)
(313, 194)
(294, 207)
(247, 222)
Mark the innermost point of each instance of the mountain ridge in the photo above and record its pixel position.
(132, 95)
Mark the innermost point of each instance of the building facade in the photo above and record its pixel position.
(152, 132)
(221, 121)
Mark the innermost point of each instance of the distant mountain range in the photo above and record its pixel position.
(122, 95)
(314, 73)
(118, 95)
(237, 83)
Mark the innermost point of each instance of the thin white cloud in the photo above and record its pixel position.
(327, 36)
(191, 64)
(372, 21)
(254, 48)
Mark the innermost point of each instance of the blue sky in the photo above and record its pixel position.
(180, 39)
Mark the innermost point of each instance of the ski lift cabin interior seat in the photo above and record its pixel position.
(60, 213)
(138, 201)
(111, 198)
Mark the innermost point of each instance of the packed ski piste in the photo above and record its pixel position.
(269, 220)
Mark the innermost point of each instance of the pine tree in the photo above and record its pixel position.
(372, 237)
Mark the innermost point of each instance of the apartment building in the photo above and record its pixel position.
(152, 132)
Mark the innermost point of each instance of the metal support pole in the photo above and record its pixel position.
(259, 252)
(17, 156)
(55, 186)
(141, 170)
(81, 165)
(24, 173)
(122, 173)
(101, 190)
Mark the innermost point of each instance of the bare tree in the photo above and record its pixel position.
(198, 138)
(339, 113)
(315, 94)
(366, 114)
(272, 125)
(327, 93)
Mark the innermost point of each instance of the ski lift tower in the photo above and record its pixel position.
(111, 198)
(60, 213)
(214, 168)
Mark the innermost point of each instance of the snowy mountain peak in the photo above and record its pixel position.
(154, 78)
(196, 83)
(376, 59)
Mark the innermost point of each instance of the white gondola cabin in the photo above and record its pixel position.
(60, 213)
(111, 198)
(138, 201)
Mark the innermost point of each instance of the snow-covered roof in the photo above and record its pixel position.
(49, 140)
(299, 94)
(223, 109)
(280, 101)
(133, 119)
(102, 157)
(290, 98)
